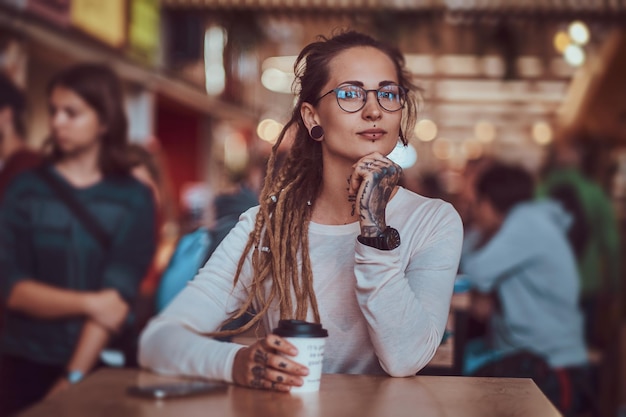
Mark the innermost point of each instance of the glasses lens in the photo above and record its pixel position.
(391, 97)
(351, 98)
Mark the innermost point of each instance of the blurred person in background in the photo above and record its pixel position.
(15, 156)
(149, 168)
(334, 240)
(230, 203)
(67, 288)
(206, 230)
(525, 265)
(146, 168)
(594, 235)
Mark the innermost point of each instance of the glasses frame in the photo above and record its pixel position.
(367, 92)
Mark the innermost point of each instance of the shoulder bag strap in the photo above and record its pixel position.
(86, 218)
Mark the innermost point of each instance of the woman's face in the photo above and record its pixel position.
(351, 136)
(75, 126)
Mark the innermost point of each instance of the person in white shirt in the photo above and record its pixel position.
(334, 240)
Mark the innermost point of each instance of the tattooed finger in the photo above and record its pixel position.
(258, 372)
(260, 356)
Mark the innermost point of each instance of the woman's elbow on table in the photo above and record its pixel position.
(401, 368)
(401, 365)
(153, 347)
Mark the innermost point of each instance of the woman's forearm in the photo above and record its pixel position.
(93, 339)
(47, 302)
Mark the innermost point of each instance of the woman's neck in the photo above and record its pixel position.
(334, 205)
(80, 170)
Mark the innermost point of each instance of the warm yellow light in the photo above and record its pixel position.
(578, 32)
(542, 133)
(235, 152)
(268, 130)
(426, 130)
(561, 41)
(276, 80)
(442, 148)
(485, 131)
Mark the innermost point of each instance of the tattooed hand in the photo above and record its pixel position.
(373, 181)
(260, 365)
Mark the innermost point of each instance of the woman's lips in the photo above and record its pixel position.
(372, 133)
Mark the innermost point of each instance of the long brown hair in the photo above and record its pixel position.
(101, 89)
(280, 235)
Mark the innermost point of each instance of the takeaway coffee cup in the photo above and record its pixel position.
(309, 339)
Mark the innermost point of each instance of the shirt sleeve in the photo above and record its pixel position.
(406, 306)
(133, 247)
(508, 250)
(175, 342)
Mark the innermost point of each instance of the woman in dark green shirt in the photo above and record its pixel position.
(65, 292)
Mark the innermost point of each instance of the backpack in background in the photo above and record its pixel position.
(184, 264)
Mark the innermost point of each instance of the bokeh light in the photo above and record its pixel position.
(485, 131)
(426, 130)
(442, 148)
(578, 32)
(268, 130)
(542, 133)
(574, 55)
(405, 156)
(561, 41)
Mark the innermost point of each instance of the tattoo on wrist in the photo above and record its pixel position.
(370, 231)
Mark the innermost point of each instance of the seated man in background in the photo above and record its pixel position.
(524, 261)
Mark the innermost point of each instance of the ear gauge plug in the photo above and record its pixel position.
(316, 132)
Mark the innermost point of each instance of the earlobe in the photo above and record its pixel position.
(316, 132)
(308, 114)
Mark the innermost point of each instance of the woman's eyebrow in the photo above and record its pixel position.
(360, 84)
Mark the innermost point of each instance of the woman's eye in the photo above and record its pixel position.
(349, 94)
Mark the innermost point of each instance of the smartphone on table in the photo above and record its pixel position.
(176, 389)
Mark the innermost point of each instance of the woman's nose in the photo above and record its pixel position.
(56, 119)
(371, 110)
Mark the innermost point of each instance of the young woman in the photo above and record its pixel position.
(66, 291)
(334, 240)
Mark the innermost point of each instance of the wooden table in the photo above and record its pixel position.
(104, 394)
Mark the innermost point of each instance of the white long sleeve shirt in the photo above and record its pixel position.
(385, 311)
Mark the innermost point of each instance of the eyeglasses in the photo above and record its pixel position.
(352, 98)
